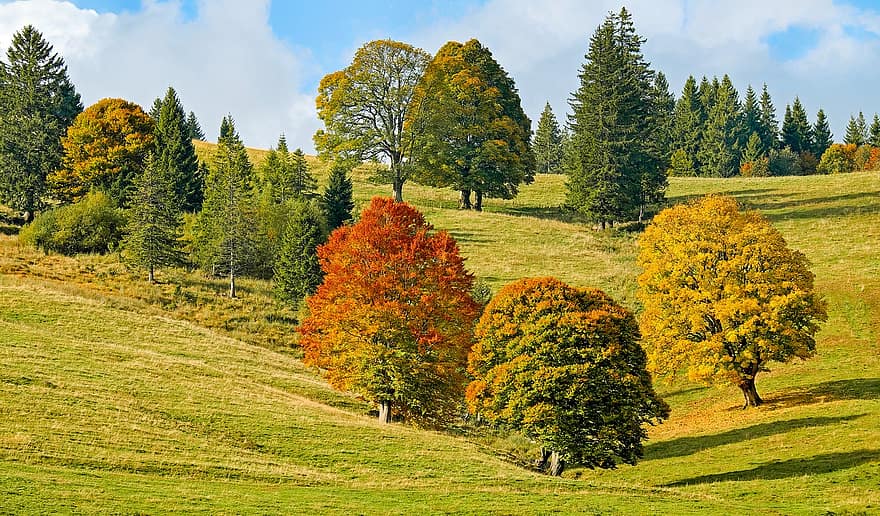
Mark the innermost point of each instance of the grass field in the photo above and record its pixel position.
(119, 397)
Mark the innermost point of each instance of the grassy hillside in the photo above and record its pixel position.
(118, 397)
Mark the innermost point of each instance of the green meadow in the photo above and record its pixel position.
(121, 397)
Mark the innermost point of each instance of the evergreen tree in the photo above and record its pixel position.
(194, 128)
(822, 137)
(687, 130)
(874, 132)
(659, 147)
(612, 126)
(751, 119)
(175, 153)
(707, 92)
(154, 221)
(336, 201)
(796, 131)
(856, 130)
(297, 270)
(719, 152)
(548, 143)
(752, 151)
(226, 225)
(769, 132)
(37, 104)
(286, 174)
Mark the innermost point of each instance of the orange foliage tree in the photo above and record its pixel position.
(564, 366)
(723, 294)
(393, 319)
(105, 148)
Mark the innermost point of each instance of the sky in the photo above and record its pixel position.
(261, 60)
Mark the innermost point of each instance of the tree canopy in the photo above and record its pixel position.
(723, 294)
(367, 108)
(175, 154)
(393, 318)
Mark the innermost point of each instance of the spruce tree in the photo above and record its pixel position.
(175, 153)
(336, 201)
(769, 132)
(822, 137)
(154, 221)
(796, 131)
(688, 126)
(752, 151)
(719, 152)
(286, 174)
(751, 119)
(37, 104)
(659, 147)
(194, 128)
(611, 125)
(856, 130)
(548, 143)
(874, 132)
(226, 227)
(297, 270)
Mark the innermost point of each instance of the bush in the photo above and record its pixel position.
(92, 225)
(758, 168)
(861, 157)
(837, 159)
(808, 163)
(784, 162)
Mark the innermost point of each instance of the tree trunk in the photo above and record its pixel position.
(478, 204)
(641, 213)
(750, 393)
(150, 276)
(385, 411)
(464, 200)
(232, 284)
(556, 464)
(541, 463)
(602, 224)
(397, 189)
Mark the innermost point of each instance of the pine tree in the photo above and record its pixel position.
(37, 104)
(297, 270)
(751, 119)
(154, 221)
(688, 126)
(194, 128)
(822, 137)
(548, 143)
(752, 151)
(611, 125)
(769, 132)
(286, 174)
(659, 147)
(874, 132)
(175, 153)
(796, 131)
(719, 152)
(856, 130)
(707, 93)
(226, 225)
(336, 201)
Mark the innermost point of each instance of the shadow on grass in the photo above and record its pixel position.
(850, 389)
(818, 465)
(689, 445)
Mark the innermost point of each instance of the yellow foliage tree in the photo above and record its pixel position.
(104, 148)
(723, 295)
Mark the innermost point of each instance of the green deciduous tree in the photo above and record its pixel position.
(105, 148)
(154, 221)
(611, 125)
(297, 270)
(476, 135)
(37, 103)
(175, 154)
(367, 108)
(226, 224)
(564, 366)
(548, 143)
(723, 294)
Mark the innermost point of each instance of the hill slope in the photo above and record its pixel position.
(118, 397)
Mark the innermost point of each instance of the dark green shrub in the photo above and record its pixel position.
(92, 225)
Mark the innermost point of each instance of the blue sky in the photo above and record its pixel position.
(261, 60)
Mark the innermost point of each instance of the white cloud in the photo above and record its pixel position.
(225, 60)
(542, 46)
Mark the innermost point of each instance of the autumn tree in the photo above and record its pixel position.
(393, 319)
(476, 134)
(297, 272)
(336, 200)
(564, 366)
(105, 148)
(723, 295)
(548, 143)
(37, 104)
(154, 221)
(175, 154)
(367, 108)
(225, 228)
